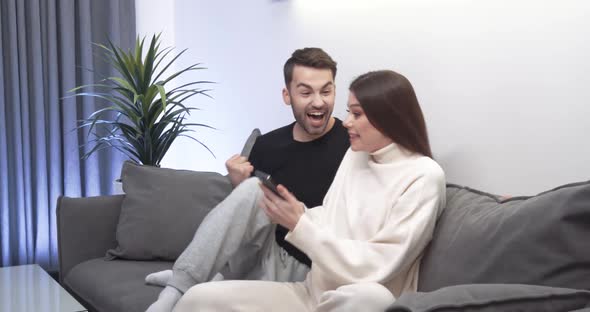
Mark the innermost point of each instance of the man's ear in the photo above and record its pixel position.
(286, 97)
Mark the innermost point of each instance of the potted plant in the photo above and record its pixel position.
(143, 118)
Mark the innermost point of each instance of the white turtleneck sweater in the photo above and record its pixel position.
(375, 221)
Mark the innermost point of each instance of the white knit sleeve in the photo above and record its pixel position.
(390, 251)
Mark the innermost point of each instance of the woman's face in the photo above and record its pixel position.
(363, 136)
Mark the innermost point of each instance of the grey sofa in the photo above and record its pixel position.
(86, 230)
(487, 254)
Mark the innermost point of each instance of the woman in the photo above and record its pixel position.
(367, 238)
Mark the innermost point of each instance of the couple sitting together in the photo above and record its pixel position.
(356, 206)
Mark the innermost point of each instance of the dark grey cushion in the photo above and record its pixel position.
(162, 210)
(250, 142)
(539, 240)
(493, 298)
(115, 286)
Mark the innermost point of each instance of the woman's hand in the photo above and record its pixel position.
(285, 211)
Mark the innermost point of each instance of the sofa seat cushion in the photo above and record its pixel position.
(115, 286)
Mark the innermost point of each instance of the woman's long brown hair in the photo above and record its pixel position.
(389, 101)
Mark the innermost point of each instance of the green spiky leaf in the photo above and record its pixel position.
(147, 118)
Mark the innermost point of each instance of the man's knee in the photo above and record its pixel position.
(250, 185)
(244, 196)
(356, 297)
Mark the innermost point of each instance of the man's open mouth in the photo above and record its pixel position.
(316, 115)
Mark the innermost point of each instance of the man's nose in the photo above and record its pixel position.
(317, 101)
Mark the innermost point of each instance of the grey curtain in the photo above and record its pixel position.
(47, 50)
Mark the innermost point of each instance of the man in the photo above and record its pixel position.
(236, 239)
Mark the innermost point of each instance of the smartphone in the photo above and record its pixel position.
(267, 181)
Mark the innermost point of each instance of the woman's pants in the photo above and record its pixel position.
(251, 296)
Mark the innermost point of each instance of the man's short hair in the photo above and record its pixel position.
(309, 57)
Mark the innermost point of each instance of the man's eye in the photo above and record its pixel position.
(326, 92)
(305, 93)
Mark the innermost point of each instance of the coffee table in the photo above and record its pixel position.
(27, 288)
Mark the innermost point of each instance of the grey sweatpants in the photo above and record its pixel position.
(237, 240)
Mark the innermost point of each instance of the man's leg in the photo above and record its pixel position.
(245, 296)
(235, 222)
(370, 297)
(272, 263)
(236, 225)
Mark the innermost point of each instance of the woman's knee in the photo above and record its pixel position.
(370, 291)
(356, 297)
(201, 297)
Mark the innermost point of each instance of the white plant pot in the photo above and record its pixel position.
(118, 187)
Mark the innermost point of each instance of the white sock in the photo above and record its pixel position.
(166, 300)
(159, 278)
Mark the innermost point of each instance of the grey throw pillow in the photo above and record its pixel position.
(162, 210)
(538, 240)
(250, 142)
(493, 298)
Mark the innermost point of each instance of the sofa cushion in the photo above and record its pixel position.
(162, 210)
(538, 240)
(164, 207)
(250, 142)
(115, 286)
(492, 298)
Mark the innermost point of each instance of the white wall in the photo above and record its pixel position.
(153, 17)
(503, 84)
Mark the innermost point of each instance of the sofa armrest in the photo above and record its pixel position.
(86, 229)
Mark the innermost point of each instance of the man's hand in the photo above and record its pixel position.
(285, 210)
(238, 169)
